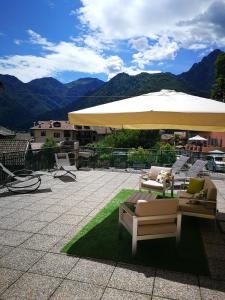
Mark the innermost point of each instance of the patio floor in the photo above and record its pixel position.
(34, 227)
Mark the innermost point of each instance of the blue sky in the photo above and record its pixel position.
(69, 39)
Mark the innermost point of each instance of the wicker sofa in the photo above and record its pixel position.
(202, 208)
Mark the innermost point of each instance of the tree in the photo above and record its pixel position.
(218, 91)
(47, 155)
(130, 139)
(49, 143)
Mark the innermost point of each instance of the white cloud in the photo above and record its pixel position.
(18, 42)
(139, 43)
(61, 57)
(161, 50)
(195, 24)
(207, 27)
(149, 32)
(36, 38)
(197, 46)
(128, 19)
(64, 56)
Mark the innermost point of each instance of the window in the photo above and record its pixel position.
(66, 133)
(57, 124)
(43, 133)
(56, 134)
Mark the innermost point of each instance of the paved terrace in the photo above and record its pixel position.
(34, 227)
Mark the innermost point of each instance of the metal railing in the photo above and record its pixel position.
(121, 158)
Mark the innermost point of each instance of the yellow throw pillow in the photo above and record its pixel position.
(195, 185)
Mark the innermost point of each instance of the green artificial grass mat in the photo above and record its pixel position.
(102, 239)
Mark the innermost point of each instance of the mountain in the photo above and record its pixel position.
(83, 86)
(124, 86)
(197, 81)
(21, 103)
(17, 102)
(47, 98)
(201, 76)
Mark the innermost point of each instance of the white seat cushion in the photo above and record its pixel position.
(152, 184)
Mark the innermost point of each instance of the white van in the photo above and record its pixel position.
(216, 162)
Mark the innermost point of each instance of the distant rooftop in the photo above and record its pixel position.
(9, 145)
(6, 132)
(64, 125)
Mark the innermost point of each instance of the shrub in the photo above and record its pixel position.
(140, 156)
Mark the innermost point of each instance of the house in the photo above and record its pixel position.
(62, 131)
(58, 130)
(215, 140)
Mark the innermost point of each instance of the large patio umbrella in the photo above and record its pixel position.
(161, 110)
(197, 138)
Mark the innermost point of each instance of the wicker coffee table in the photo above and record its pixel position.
(140, 196)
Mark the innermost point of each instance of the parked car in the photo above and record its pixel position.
(215, 162)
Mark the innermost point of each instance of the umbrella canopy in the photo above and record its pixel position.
(161, 110)
(197, 138)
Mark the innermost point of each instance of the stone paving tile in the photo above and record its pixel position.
(7, 277)
(81, 201)
(6, 211)
(39, 206)
(133, 278)
(217, 268)
(41, 242)
(114, 294)
(9, 222)
(59, 245)
(56, 229)
(222, 225)
(5, 249)
(96, 272)
(20, 259)
(57, 208)
(23, 214)
(14, 238)
(176, 285)
(32, 287)
(45, 216)
(56, 265)
(80, 211)
(48, 201)
(212, 289)
(213, 237)
(221, 216)
(68, 203)
(85, 204)
(69, 219)
(72, 232)
(159, 298)
(15, 204)
(31, 226)
(215, 251)
(71, 290)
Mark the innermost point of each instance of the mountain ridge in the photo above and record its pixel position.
(47, 98)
